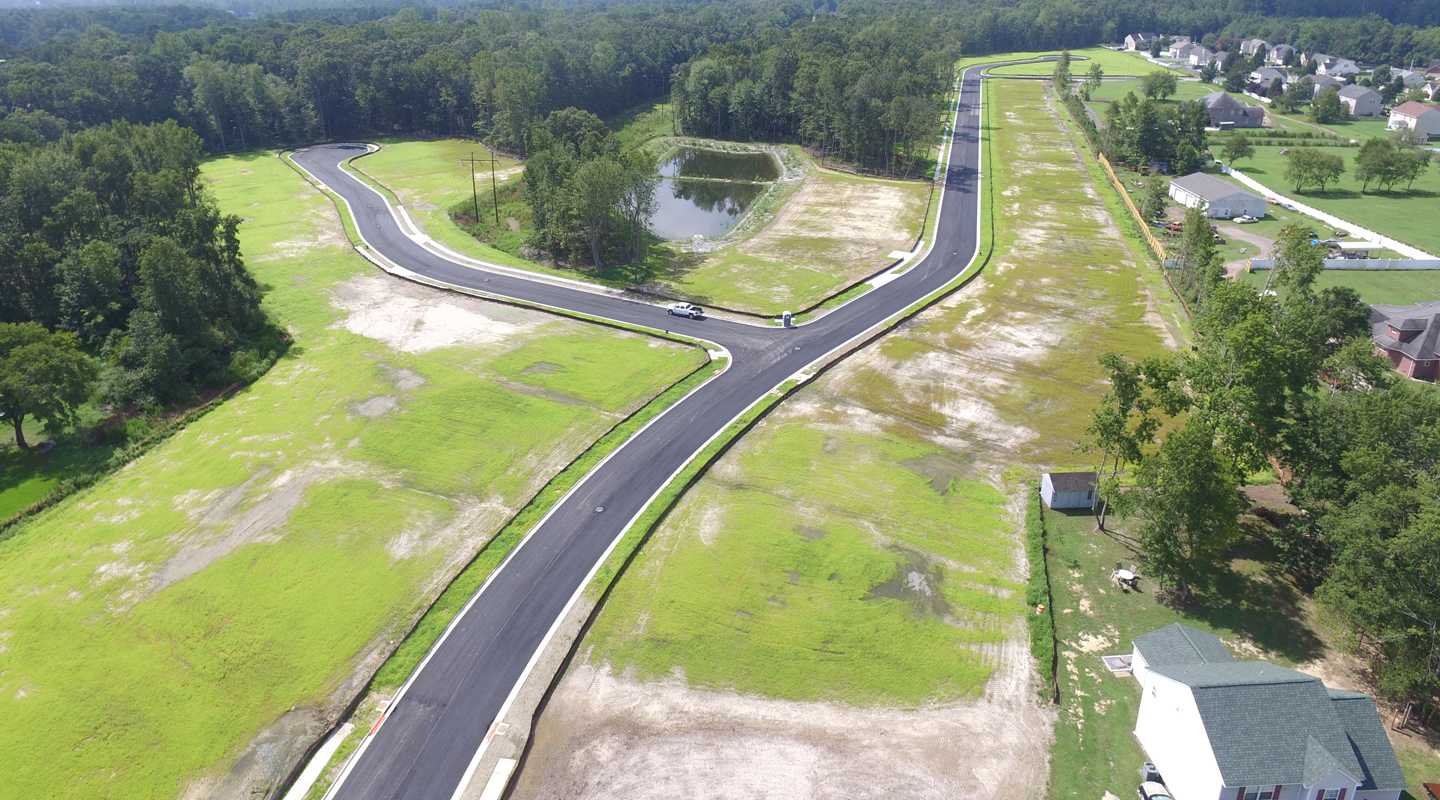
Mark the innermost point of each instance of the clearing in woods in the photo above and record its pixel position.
(835, 608)
(159, 628)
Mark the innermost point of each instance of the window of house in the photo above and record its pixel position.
(1260, 794)
(1329, 794)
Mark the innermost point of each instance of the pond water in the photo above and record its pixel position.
(709, 208)
(713, 206)
(692, 162)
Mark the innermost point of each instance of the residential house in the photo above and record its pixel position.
(1361, 100)
(1220, 729)
(1220, 56)
(1409, 77)
(1250, 47)
(1319, 83)
(1140, 42)
(1068, 489)
(1264, 77)
(1180, 51)
(1218, 198)
(1200, 56)
(1432, 91)
(1432, 72)
(1409, 336)
(1336, 67)
(1279, 53)
(1419, 117)
(1176, 644)
(1227, 112)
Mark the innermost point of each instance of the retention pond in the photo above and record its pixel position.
(706, 192)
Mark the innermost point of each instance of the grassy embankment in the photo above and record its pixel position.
(1250, 603)
(160, 620)
(816, 517)
(1114, 63)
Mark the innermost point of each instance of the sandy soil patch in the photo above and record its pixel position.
(608, 736)
(414, 319)
(841, 221)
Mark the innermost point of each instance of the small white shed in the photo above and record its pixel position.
(1068, 489)
(1218, 198)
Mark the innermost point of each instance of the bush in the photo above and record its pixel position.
(1037, 591)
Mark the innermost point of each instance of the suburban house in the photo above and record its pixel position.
(1218, 198)
(1279, 53)
(1227, 112)
(1433, 91)
(1409, 336)
(1250, 47)
(1418, 117)
(1181, 50)
(1068, 489)
(1433, 71)
(1139, 41)
(1200, 56)
(1319, 83)
(1361, 100)
(1221, 729)
(1409, 77)
(1265, 76)
(1330, 65)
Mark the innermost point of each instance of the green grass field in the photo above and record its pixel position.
(1389, 287)
(1110, 91)
(158, 621)
(1402, 215)
(1114, 63)
(774, 583)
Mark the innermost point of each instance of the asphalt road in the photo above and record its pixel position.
(434, 729)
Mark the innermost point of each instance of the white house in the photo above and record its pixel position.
(1250, 47)
(1319, 83)
(1418, 117)
(1265, 76)
(1200, 56)
(1139, 41)
(1337, 67)
(1409, 77)
(1068, 489)
(1181, 50)
(1361, 100)
(1176, 644)
(1218, 198)
(1220, 729)
(1279, 53)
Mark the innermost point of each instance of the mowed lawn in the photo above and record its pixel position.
(1404, 215)
(1388, 287)
(155, 623)
(1114, 63)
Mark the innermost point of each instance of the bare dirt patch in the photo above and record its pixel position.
(414, 319)
(837, 220)
(608, 736)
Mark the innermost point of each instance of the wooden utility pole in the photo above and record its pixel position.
(494, 193)
(474, 191)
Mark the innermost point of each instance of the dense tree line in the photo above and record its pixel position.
(1285, 377)
(870, 95)
(108, 234)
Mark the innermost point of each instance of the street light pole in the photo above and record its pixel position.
(494, 193)
(474, 191)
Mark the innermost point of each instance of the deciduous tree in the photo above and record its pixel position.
(43, 375)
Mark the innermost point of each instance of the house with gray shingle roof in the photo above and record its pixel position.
(1221, 729)
(1409, 336)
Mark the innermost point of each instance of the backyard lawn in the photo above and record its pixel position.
(1404, 215)
(1114, 63)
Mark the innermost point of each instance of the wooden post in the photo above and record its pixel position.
(474, 191)
(494, 193)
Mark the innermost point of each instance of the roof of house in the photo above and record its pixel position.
(1178, 644)
(1367, 734)
(1142, 36)
(1209, 186)
(1423, 318)
(1219, 100)
(1287, 47)
(1271, 725)
(1413, 108)
(1358, 92)
(1268, 73)
(1072, 481)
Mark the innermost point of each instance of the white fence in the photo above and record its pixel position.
(1330, 219)
(1257, 264)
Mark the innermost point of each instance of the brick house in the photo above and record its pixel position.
(1409, 336)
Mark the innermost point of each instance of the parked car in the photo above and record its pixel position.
(1340, 234)
(685, 310)
(1290, 207)
(1245, 219)
(1150, 790)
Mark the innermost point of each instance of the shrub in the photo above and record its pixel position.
(1037, 591)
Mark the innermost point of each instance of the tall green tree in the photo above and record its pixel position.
(1159, 84)
(1328, 108)
(1237, 147)
(1311, 166)
(43, 376)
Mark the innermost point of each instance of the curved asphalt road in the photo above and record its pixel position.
(435, 727)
